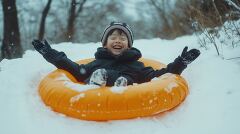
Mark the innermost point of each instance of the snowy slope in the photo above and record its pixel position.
(212, 106)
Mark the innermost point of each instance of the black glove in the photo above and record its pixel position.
(51, 55)
(188, 56)
(41, 46)
(177, 66)
(181, 62)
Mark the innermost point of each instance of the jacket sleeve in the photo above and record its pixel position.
(148, 73)
(176, 67)
(60, 60)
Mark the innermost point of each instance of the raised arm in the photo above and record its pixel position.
(181, 62)
(176, 67)
(60, 60)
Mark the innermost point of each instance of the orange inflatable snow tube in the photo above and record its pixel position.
(64, 94)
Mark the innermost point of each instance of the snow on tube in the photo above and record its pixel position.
(61, 91)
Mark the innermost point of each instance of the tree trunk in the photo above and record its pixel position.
(161, 9)
(72, 17)
(71, 20)
(11, 46)
(43, 19)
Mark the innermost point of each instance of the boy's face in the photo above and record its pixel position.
(117, 43)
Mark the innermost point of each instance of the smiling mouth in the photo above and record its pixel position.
(117, 47)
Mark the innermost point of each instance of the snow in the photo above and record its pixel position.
(212, 105)
(118, 90)
(74, 86)
(77, 97)
(171, 86)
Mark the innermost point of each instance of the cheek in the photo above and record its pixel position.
(126, 44)
(108, 43)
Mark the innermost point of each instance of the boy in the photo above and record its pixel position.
(116, 63)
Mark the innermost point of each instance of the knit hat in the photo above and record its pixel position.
(118, 25)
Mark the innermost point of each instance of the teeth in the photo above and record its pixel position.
(117, 47)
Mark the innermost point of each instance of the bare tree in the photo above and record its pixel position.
(11, 46)
(162, 8)
(43, 19)
(231, 3)
(105, 12)
(73, 14)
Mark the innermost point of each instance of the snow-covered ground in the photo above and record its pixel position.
(212, 107)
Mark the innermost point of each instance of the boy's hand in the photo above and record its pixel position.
(41, 46)
(189, 56)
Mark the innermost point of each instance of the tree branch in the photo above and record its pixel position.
(231, 3)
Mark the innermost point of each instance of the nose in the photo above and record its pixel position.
(118, 40)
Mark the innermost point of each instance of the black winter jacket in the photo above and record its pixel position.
(125, 64)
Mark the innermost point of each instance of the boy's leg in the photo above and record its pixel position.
(98, 77)
(123, 81)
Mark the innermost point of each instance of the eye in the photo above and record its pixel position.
(112, 37)
(123, 38)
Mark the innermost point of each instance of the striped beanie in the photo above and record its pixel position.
(118, 25)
